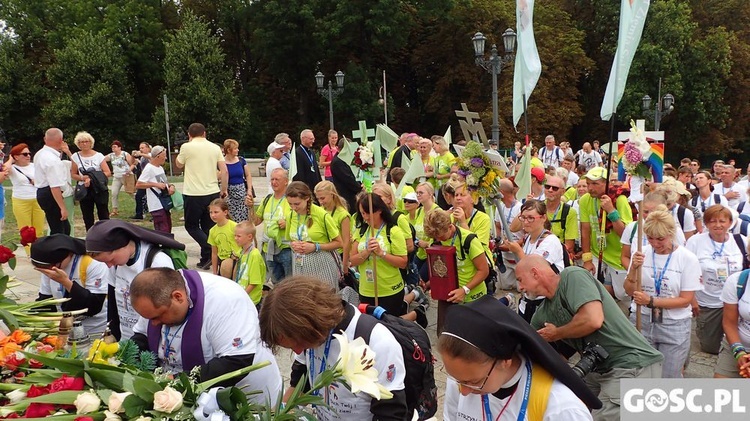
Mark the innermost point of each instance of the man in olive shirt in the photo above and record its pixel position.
(579, 311)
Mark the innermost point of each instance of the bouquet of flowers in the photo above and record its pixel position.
(481, 178)
(637, 153)
(363, 158)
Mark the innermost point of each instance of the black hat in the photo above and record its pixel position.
(499, 332)
(53, 249)
(113, 234)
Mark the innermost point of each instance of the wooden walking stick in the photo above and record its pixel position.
(638, 284)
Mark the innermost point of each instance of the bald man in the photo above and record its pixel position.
(50, 180)
(579, 311)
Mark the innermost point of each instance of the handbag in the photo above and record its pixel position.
(80, 192)
(98, 179)
(164, 198)
(178, 201)
(128, 182)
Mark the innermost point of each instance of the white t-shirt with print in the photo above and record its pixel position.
(720, 189)
(120, 277)
(729, 296)
(589, 160)
(689, 222)
(718, 261)
(548, 247)
(224, 300)
(153, 174)
(682, 274)
(88, 162)
(96, 282)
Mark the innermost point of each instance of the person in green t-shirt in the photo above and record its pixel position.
(251, 270)
(221, 238)
(314, 236)
(334, 204)
(272, 213)
(379, 250)
(562, 217)
(578, 311)
(596, 232)
(472, 266)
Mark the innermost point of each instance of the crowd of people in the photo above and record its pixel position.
(559, 271)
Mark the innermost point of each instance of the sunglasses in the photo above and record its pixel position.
(409, 201)
(25, 153)
(553, 188)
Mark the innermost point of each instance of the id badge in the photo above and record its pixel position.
(299, 259)
(656, 315)
(722, 274)
(369, 276)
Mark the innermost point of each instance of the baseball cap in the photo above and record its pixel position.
(597, 173)
(410, 196)
(274, 146)
(538, 173)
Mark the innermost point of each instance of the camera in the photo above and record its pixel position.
(591, 355)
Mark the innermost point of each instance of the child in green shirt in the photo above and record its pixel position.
(251, 269)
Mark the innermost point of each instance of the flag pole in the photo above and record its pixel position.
(638, 274)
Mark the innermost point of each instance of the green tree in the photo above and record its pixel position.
(198, 84)
(21, 93)
(91, 89)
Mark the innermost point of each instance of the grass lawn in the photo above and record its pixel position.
(126, 209)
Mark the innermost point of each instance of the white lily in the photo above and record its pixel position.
(356, 366)
(638, 139)
(365, 154)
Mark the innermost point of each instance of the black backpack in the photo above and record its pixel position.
(489, 281)
(419, 380)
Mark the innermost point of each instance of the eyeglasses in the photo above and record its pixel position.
(553, 188)
(25, 153)
(470, 386)
(529, 218)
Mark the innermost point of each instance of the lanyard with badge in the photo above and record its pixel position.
(168, 342)
(299, 258)
(656, 312)
(722, 266)
(369, 274)
(487, 413)
(310, 157)
(73, 265)
(323, 363)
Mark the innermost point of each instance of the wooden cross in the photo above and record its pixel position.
(363, 133)
(471, 129)
(640, 124)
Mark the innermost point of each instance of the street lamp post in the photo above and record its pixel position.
(330, 91)
(494, 65)
(664, 106)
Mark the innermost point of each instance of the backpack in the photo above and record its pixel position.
(742, 283)
(419, 379)
(740, 207)
(743, 249)
(465, 247)
(681, 216)
(178, 257)
(744, 221)
(717, 201)
(563, 220)
(566, 255)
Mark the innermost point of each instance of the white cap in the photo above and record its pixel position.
(410, 196)
(274, 146)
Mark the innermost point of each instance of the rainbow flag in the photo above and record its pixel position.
(655, 162)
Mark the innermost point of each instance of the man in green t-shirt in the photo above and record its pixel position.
(601, 232)
(578, 311)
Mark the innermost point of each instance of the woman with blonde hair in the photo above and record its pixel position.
(86, 164)
(467, 216)
(386, 193)
(336, 206)
(314, 236)
(471, 260)
(670, 275)
(240, 181)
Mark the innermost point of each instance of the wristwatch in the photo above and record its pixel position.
(466, 290)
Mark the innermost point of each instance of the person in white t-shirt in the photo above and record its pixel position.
(670, 275)
(719, 255)
(85, 163)
(733, 192)
(588, 157)
(68, 272)
(734, 360)
(684, 218)
(275, 153)
(302, 314)
(629, 239)
(184, 320)
(154, 180)
(494, 362)
(127, 250)
(551, 155)
(511, 209)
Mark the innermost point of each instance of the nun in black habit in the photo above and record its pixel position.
(499, 368)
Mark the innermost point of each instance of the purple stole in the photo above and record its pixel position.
(190, 347)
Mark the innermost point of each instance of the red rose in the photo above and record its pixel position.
(28, 235)
(12, 415)
(38, 410)
(6, 254)
(35, 364)
(12, 362)
(67, 383)
(35, 391)
(84, 419)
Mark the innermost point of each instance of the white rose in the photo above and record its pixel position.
(111, 416)
(87, 402)
(638, 139)
(115, 402)
(167, 400)
(142, 418)
(15, 396)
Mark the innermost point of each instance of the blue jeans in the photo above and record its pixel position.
(281, 266)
